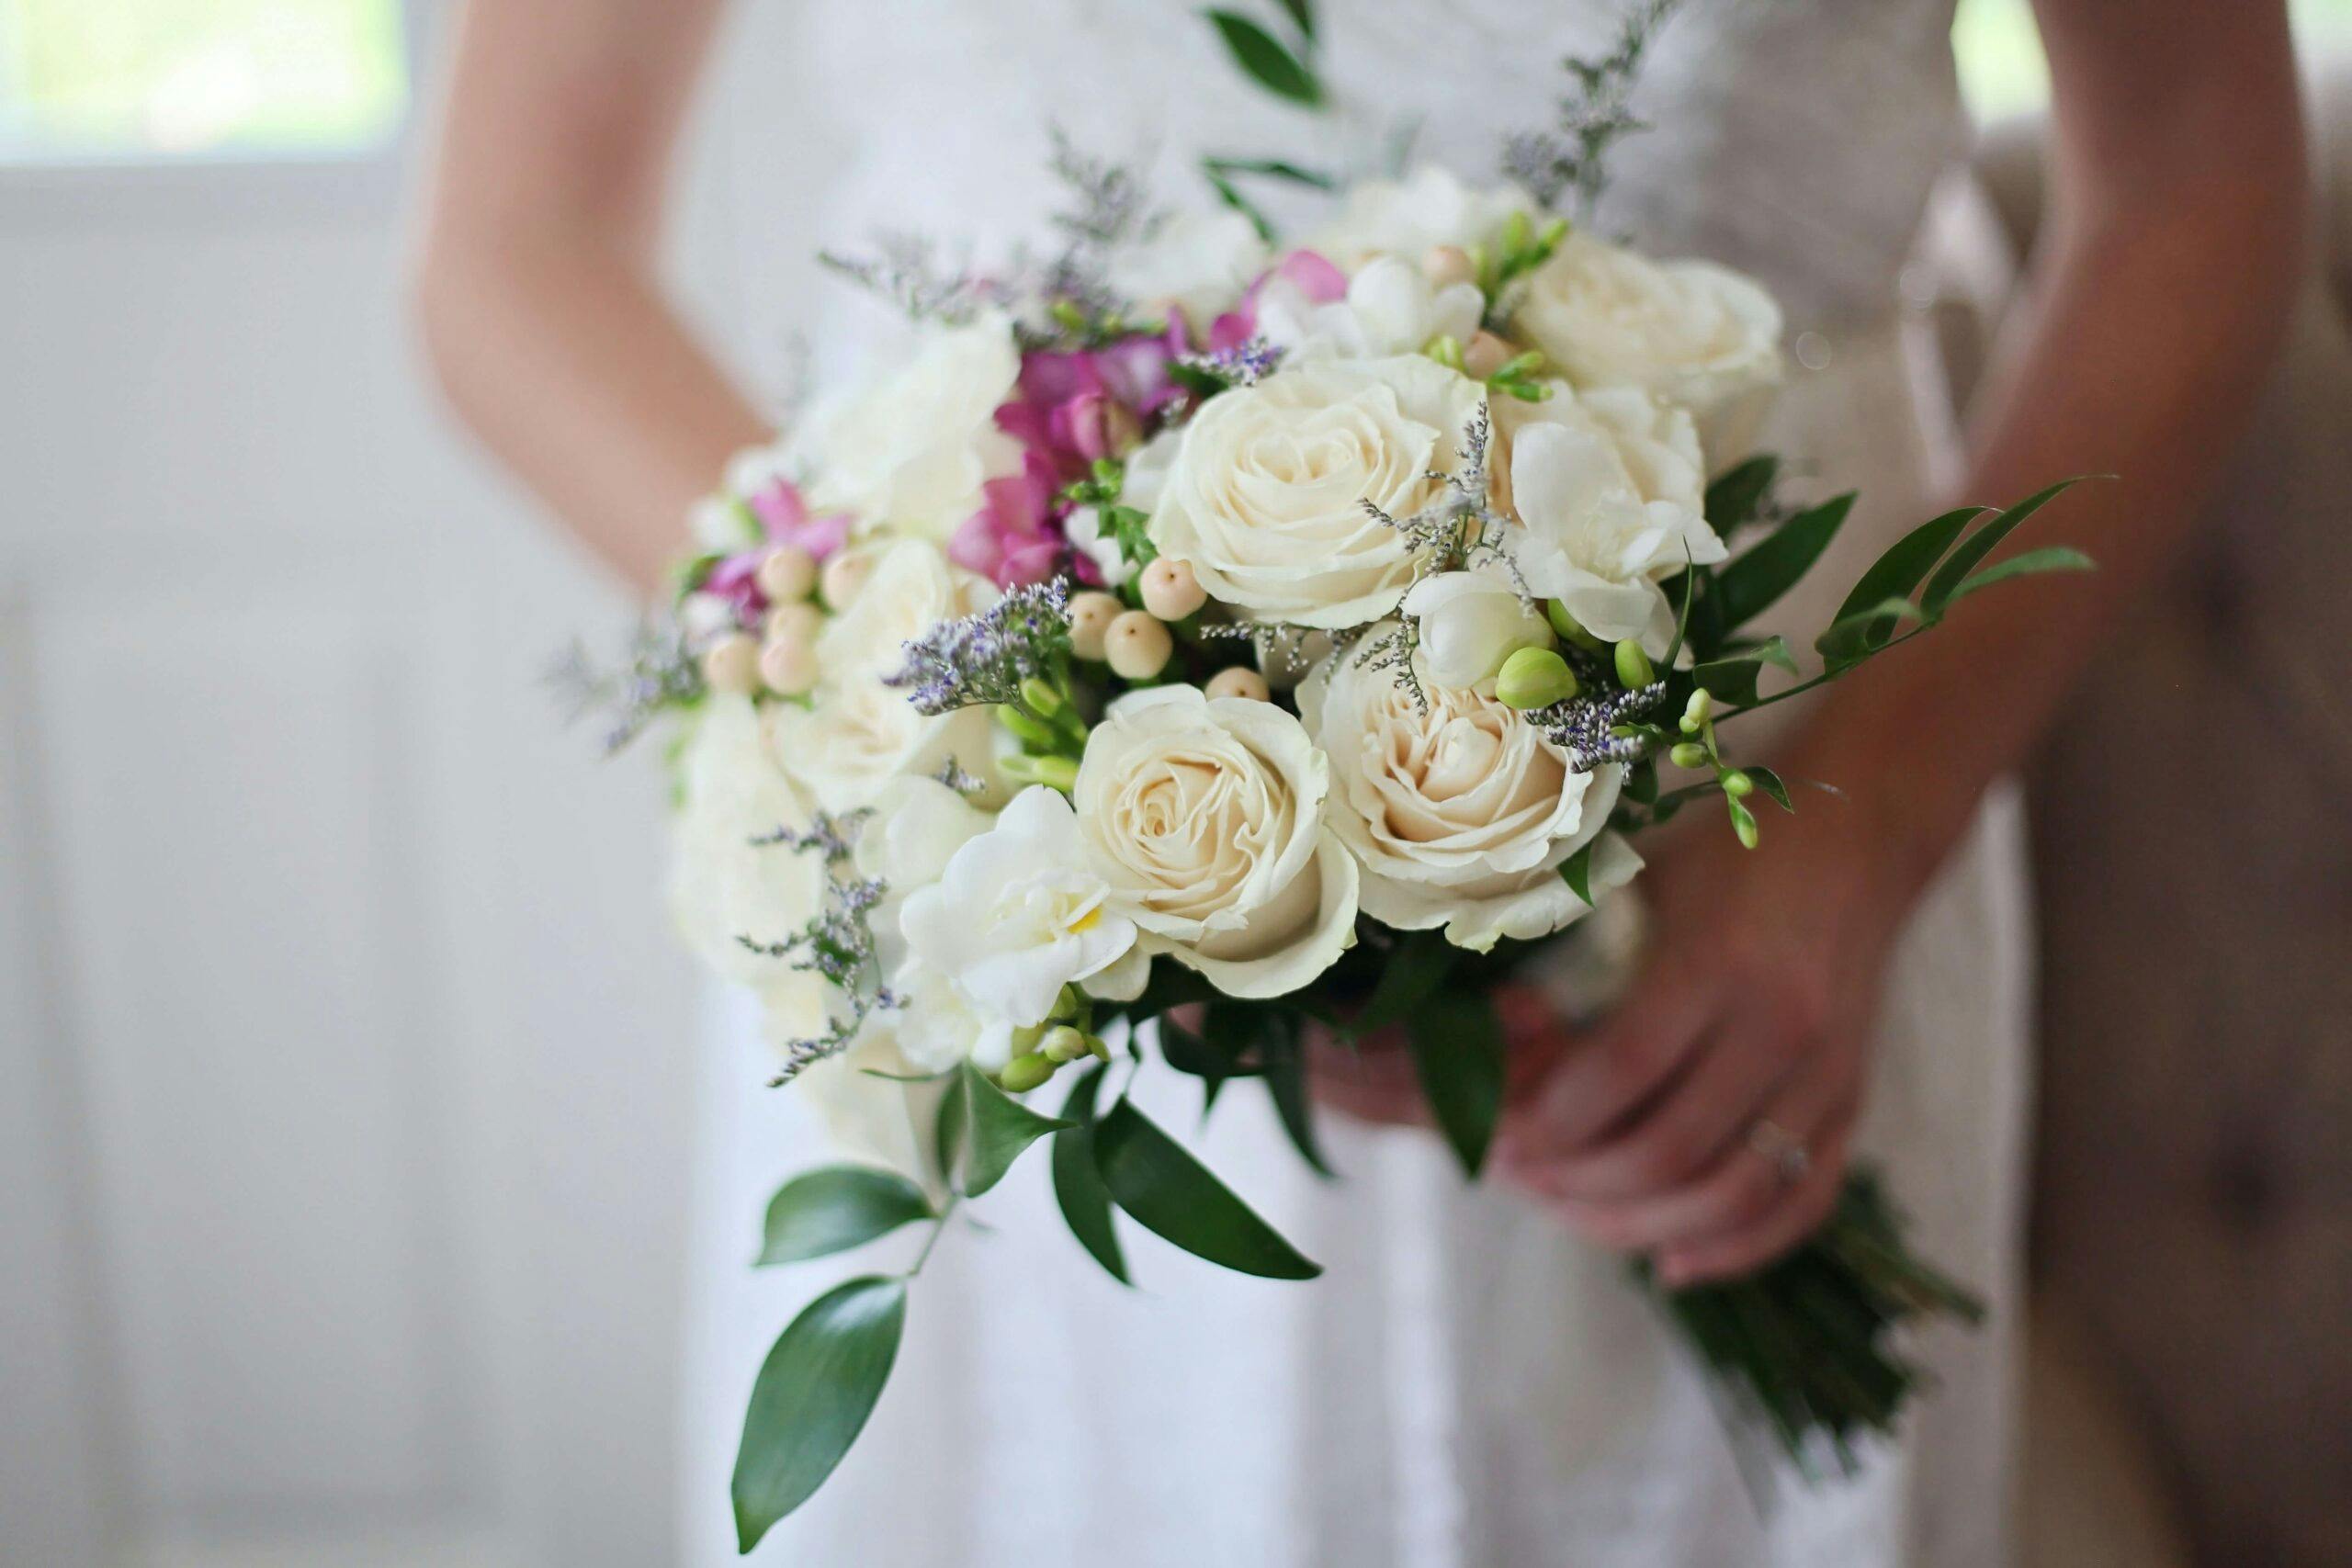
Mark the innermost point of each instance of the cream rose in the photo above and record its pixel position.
(1461, 813)
(910, 452)
(1696, 334)
(1404, 218)
(1609, 491)
(1266, 496)
(1205, 819)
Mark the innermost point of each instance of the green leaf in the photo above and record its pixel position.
(812, 1397)
(1258, 53)
(1415, 966)
(1174, 1196)
(1000, 1128)
(1230, 194)
(1854, 637)
(1739, 491)
(1577, 872)
(1085, 1202)
(1749, 585)
(947, 1131)
(1944, 586)
(1733, 677)
(1272, 168)
(1770, 783)
(1302, 13)
(1457, 1045)
(2028, 563)
(1690, 580)
(1284, 1051)
(1895, 574)
(837, 1207)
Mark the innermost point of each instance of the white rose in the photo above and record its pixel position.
(1405, 218)
(911, 453)
(1461, 813)
(1266, 499)
(917, 827)
(1207, 819)
(1612, 494)
(1390, 308)
(1471, 622)
(1199, 260)
(722, 886)
(910, 587)
(1694, 334)
(1020, 912)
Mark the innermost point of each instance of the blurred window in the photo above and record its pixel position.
(144, 80)
(2001, 69)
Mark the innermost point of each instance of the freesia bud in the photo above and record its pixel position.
(1039, 693)
(1535, 678)
(1687, 754)
(1695, 712)
(1736, 783)
(1569, 627)
(1743, 822)
(1062, 1043)
(1634, 667)
(1025, 1072)
(1054, 773)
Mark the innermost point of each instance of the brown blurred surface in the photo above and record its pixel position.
(2193, 825)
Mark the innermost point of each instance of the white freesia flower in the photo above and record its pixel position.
(1020, 912)
(721, 885)
(1390, 308)
(1696, 334)
(1612, 493)
(1266, 499)
(1205, 816)
(856, 734)
(1405, 218)
(1461, 813)
(911, 453)
(1471, 622)
(1200, 261)
(917, 827)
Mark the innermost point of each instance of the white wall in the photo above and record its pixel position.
(343, 1063)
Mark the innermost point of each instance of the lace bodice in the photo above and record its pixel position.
(1795, 139)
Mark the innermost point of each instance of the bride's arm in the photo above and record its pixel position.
(2159, 298)
(536, 280)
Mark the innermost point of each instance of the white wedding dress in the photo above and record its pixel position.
(1467, 1386)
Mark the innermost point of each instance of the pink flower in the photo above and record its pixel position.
(1309, 272)
(783, 517)
(1078, 405)
(1010, 539)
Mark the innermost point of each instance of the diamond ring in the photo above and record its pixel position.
(1790, 1159)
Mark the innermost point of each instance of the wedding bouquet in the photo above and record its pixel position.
(1202, 639)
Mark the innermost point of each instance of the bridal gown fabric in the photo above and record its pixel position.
(1467, 1386)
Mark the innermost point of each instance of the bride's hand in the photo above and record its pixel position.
(1706, 1120)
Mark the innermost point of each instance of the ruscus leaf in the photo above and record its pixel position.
(836, 1207)
(1263, 58)
(813, 1398)
(1171, 1194)
(999, 1127)
(1084, 1202)
(1457, 1045)
(1754, 581)
(1944, 586)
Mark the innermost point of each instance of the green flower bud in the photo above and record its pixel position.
(1517, 233)
(1060, 773)
(1447, 349)
(1062, 1043)
(1068, 1005)
(1743, 822)
(1736, 783)
(1026, 1071)
(1028, 727)
(1696, 711)
(1535, 678)
(1634, 667)
(1569, 627)
(1518, 367)
(1551, 235)
(1687, 754)
(1039, 693)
